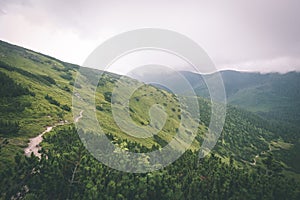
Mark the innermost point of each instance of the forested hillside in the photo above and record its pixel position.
(67, 171)
(273, 96)
(254, 158)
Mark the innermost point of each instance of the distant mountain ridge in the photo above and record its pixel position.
(273, 96)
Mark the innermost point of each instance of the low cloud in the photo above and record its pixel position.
(248, 35)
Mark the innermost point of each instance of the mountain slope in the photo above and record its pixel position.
(42, 89)
(37, 92)
(274, 96)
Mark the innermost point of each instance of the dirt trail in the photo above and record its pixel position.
(257, 156)
(78, 117)
(34, 143)
(254, 160)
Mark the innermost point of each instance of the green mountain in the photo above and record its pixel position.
(254, 158)
(273, 96)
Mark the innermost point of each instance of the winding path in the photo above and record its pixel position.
(257, 156)
(34, 143)
(254, 160)
(78, 117)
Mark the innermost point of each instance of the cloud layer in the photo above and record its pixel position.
(250, 35)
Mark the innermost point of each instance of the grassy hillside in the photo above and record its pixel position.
(36, 92)
(41, 96)
(44, 87)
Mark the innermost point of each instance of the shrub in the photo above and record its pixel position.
(51, 100)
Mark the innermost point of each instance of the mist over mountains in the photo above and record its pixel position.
(271, 95)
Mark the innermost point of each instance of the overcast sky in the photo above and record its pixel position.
(251, 35)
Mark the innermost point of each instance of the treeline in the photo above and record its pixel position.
(9, 88)
(10, 103)
(68, 171)
(55, 102)
(8, 127)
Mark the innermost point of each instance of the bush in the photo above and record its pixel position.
(67, 76)
(51, 100)
(67, 89)
(9, 88)
(66, 108)
(107, 96)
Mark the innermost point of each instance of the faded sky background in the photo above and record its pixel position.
(251, 35)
